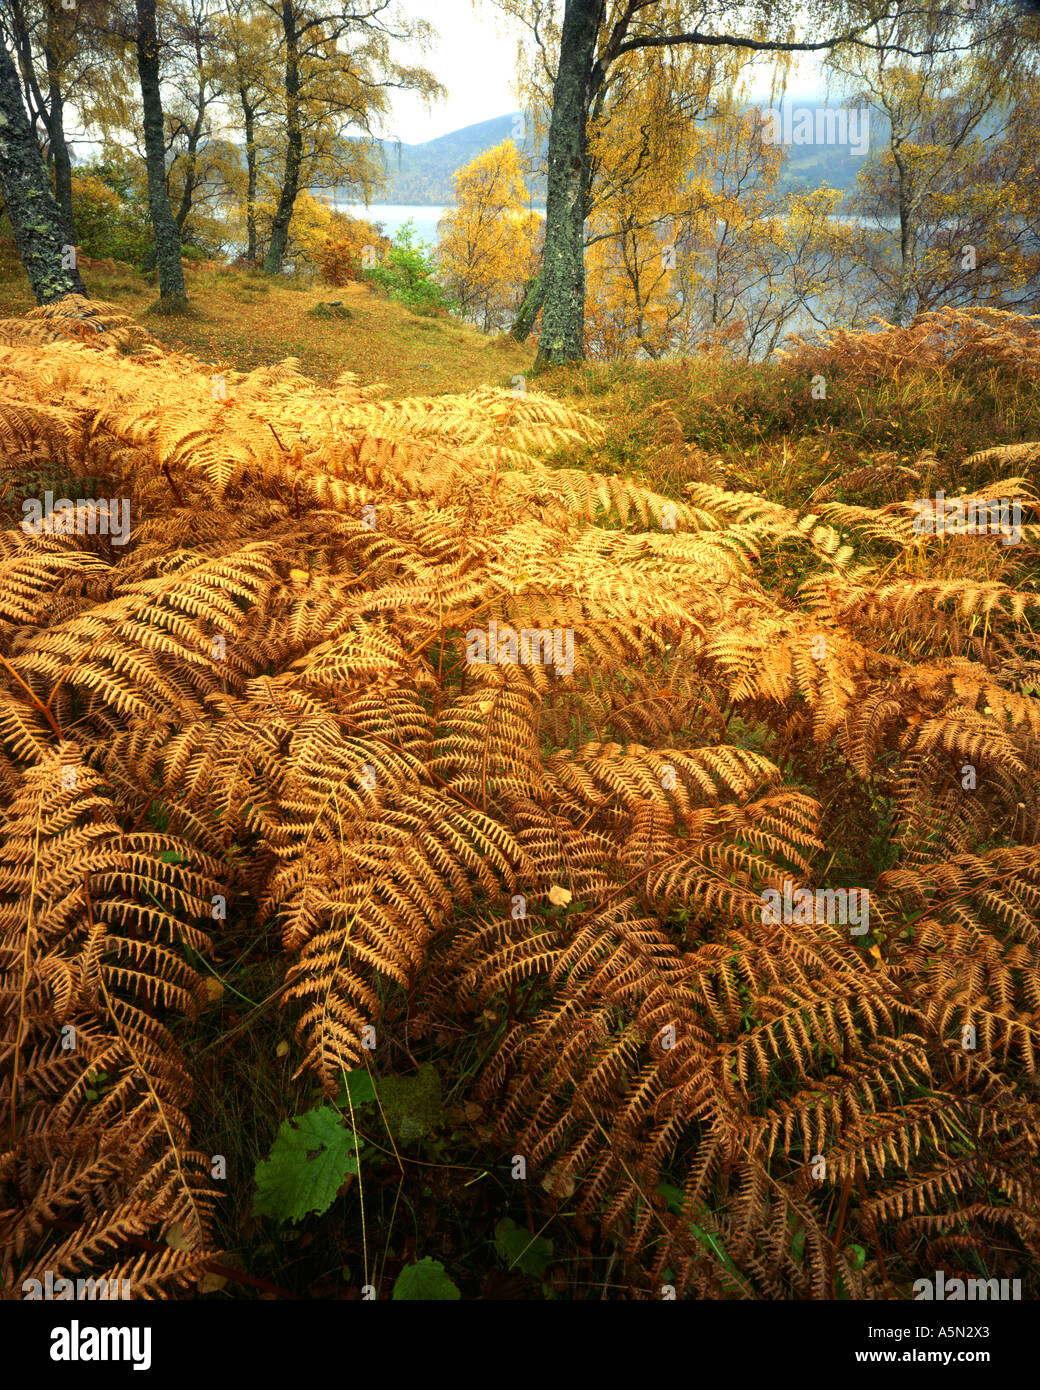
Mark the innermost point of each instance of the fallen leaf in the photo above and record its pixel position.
(558, 1184)
(175, 1237)
(558, 896)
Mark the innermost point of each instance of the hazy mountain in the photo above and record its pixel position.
(422, 174)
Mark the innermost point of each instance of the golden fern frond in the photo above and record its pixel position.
(215, 439)
(1002, 454)
(915, 603)
(93, 1089)
(883, 473)
(148, 650)
(28, 430)
(593, 496)
(732, 853)
(371, 864)
(505, 746)
(936, 339)
(32, 570)
(775, 661)
(974, 944)
(93, 322)
(758, 519)
(889, 525)
(602, 774)
(487, 748)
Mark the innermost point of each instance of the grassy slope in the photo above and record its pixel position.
(756, 428)
(742, 426)
(245, 321)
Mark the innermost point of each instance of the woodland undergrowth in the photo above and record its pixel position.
(545, 877)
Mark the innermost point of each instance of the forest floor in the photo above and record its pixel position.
(243, 320)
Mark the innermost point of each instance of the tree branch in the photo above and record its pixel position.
(777, 45)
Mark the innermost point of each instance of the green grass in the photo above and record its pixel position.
(243, 320)
(755, 427)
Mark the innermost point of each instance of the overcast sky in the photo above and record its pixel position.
(474, 57)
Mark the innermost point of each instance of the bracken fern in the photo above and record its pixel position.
(274, 671)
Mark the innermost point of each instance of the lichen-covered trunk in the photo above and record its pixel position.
(293, 147)
(563, 267)
(164, 228)
(47, 255)
(247, 111)
(528, 311)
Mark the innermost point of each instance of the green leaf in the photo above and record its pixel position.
(311, 1156)
(520, 1249)
(425, 1281)
(360, 1087)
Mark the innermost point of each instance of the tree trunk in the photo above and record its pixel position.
(247, 111)
(194, 139)
(62, 161)
(55, 118)
(47, 255)
(294, 146)
(164, 228)
(563, 266)
(191, 164)
(907, 229)
(528, 311)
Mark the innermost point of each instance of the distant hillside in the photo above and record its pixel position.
(422, 174)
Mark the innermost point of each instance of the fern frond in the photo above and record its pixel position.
(93, 1088)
